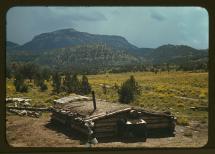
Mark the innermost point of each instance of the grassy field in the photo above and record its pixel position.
(175, 92)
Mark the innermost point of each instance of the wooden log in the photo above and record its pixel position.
(56, 118)
(105, 124)
(93, 116)
(105, 134)
(158, 125)
(28, 108)
(107, 120)
(110, 129)
(153, 118)
(105, 127)
(154, 121)
(109, 114)
(79, 129)
(144, 112)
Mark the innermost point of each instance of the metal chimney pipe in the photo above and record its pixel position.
(94, 100)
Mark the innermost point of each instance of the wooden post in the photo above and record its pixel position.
(94, 100)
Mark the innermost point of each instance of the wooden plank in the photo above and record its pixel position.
(93, 116)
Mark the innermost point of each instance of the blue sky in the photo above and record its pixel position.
(141, 26)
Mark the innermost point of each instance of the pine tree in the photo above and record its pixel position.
(56, 78)
(129, 90)
(67, 83)
(85, 86)
(75, 84)
(19, 83)
(43, 86)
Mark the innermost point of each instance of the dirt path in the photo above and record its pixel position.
(38, 132)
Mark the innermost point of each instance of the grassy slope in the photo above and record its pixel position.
(161, 92)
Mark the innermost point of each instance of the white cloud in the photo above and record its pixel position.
(142, 26)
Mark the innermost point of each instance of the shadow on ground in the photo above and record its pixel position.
(58, 128)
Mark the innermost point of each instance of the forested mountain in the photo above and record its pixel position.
(69, 49)
(70, 37)
(177, 54)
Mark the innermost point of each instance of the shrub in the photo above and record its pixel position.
(56, 78)
(43, 86)
(19, 83)
(128, 91)
(183, 121)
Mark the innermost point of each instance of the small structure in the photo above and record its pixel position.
(104, 119)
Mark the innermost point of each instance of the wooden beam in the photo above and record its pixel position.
(158, 125)
(109, 114)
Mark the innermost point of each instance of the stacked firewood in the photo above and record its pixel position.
(23, 107)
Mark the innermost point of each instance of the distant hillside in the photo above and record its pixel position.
(70, 37)
(11, 45)
(78, 57)
(69, 49)
(177, 54)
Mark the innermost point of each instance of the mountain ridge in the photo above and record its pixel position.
(103, 50)
(71, 37)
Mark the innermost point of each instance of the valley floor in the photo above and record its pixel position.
(184, 94)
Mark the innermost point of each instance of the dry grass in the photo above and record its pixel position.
(161, 92)
(174, 91)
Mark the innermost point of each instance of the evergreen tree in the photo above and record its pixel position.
(67, 83)
(75, 84)
(85, 86)
(129, 90)
(38, 78)
(56, 79)
(28, 70)
(19, 83)
(43, 86)
(46, 73)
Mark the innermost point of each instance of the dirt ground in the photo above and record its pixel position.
(39, 132)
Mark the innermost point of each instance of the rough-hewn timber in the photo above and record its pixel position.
(108, 119)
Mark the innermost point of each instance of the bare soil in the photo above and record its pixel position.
(39, 132)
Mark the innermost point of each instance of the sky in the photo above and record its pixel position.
(142, 26)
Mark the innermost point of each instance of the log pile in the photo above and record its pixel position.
(23, 107)
(17, 102)
(25, 113)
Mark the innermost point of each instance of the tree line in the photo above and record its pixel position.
(67, 82)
